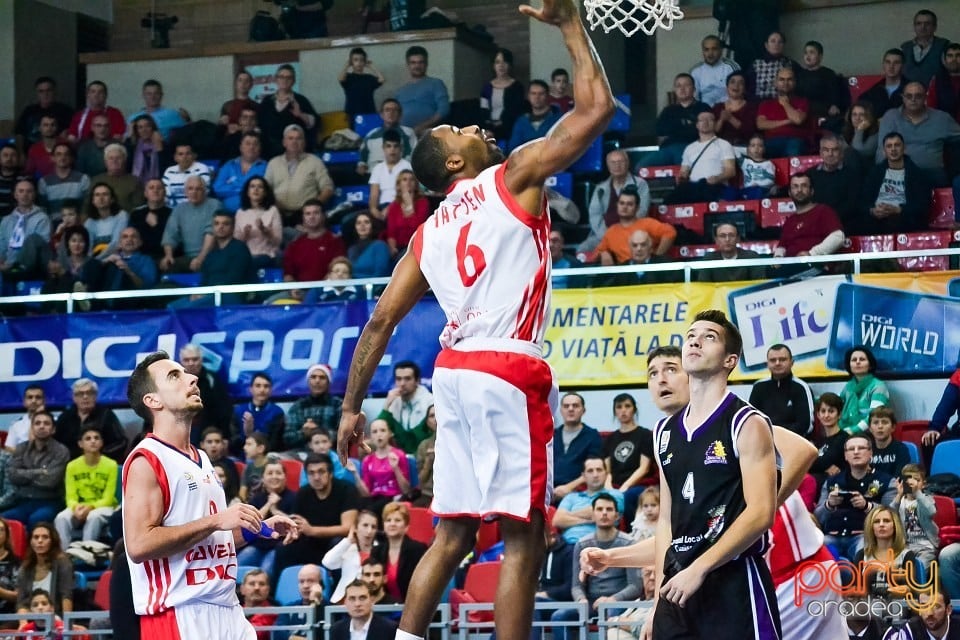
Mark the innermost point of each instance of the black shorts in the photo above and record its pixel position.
(736, 601)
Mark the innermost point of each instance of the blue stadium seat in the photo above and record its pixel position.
(592, 159)
(213, 163)
(946, 458)
(288, 587)
(340, 157)
(621, 118)
(414, 475)
(269, 276)
(914, 452)
(364, 123)
(562, 183)
(357, 195)
(183, 279)
(243, 570)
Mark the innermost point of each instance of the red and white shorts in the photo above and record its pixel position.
(494, 451)
(198, 620)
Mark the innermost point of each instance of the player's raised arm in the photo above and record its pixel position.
(593, 105)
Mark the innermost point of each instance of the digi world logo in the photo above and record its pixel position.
(817, 585)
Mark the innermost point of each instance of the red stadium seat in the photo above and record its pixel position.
(691, 251)
(101, 597)
(942, 209)
(859, 84)
(18, 537)
(946, 515)
(421, 525)
(869, 244)
(669, 171)
(782, 165)
(763, 247)
(241, 467)
(487, 536)
(480, 585)
(294, 469)
(774, 210)
(924, 240)
(802, 164)
(685, 215)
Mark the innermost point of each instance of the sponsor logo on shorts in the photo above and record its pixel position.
(716, 453)
(715, 521)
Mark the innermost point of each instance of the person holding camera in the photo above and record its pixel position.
(849, 495)
(917, 511)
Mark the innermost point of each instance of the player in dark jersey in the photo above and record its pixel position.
(712, 529)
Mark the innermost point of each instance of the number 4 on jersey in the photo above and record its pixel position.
(688, 491)
(474, 253)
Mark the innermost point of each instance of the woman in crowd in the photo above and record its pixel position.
(426, 455)
(385, 472)
(502, 99)
(46, 567)
(884, 542)
(230, 487)
(73, 269)
(764, 70)
(369, 256)
(348, 554)
(737, 116)
(105, 220)
(863, 392)
(9, 571)
(258, 223)
(628, 453)
(145, 149)
(407, 212)
(273, 498)
(860, 131)
(401, 553)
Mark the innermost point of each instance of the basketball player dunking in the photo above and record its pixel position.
(485, 255)
(181, 538)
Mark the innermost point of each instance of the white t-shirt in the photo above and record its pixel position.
(711, 162)
(893, 189)
(386, 177)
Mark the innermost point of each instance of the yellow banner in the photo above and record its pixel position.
(600, 337)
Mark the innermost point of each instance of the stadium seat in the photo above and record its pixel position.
(421, 525)
(869, 244)
(782, 166)
(942, 209)
(910, 430)
(79, 581)
(18, 537)
(802, 164)
(763, 247)
(592, 159)
(288, 586)
(914, 451)
(270, 276)
(364, 123)
(774, 210)
(350, 157)
(356, 195)
(692, 251)
(212, 163)
(243, 570)
(946, 458)
(859, 84)
(665, 171)
(480, 585)
(684, 215)
(621, 118)
(924, 240)
(241, 467)
(562, 183)
(414, 475)
(182, 279)
(487, 536)
(101, 597)
(293, 468)
(946, 515)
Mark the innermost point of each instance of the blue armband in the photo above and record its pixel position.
(249, 536)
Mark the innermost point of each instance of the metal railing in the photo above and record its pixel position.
(441, 621)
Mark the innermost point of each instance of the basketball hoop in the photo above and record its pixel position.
(631, 16)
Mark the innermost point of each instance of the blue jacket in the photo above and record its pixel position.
(568, 463)
(230, 180)
(523, 130)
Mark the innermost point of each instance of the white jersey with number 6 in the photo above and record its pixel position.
(487, 261)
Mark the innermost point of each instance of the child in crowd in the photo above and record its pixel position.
(359, 80)
(917, 510)
(255, 449)
(759, 174)
(69, 217)
(889, 454)
(645, 524)
(40, 603)
(321, 443)
(559, 94)
(830, 460)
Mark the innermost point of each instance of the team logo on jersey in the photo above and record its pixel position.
(716, 453)
(715, 522)
(191, 483)
(664, 440)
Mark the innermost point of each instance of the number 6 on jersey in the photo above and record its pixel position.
(472, 251)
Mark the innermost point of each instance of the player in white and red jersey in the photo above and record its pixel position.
(181, 539)
(485, 254)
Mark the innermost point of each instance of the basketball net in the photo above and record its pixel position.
(631, 16)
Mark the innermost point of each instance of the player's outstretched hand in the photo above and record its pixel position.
(239, 516)
(283, 527)
(593, 560)
(350, 431)
(554, 12)
(680, 587)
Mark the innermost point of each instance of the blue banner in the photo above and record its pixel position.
(237, 342)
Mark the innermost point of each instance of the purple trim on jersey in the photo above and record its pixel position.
(719, 408)
(193, 449)
(762, 616)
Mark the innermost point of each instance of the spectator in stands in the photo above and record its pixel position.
(9, 570)
(272, 498)
(426, 456)
(24, 237)
(229, 146)
(128, 268)
(213, 442)
(90, 152)
(677, 124)
(127, 187)
(145, 146)
(369, 255)
(848, 496)
(255, 447)
(260, 414)
(538, 120)
(231, 110)
(10, 175)
(406, 404)
(28, 124)
(706, 167)
(610, 585)
(923, 54)
(502, 99)
(104, 220)
(385, 472)
(628, 453)
(90, 486)
(40, 154)
(726, 236)
(405, 214)
(401, 553)
(362, 623)
(926, 132)
(37, 469)
(217, 406)
(573, 443)
(737, 114)
(340, 269)
(284, 108)
(830, 457)
(784, 398)
(885, 542)
(562, 259)
(34, 399)
(604, 201)
(80, 124)
(74, 269)
(235, 175)
(889, 454)
(837, 181)
(311, 595)
(318, 410)
(297, 176)
(325, 511)
(917, 511)
(556, 576)
(763, 71)
(823, 87)
(641, 252)
(940, 427)
(814, 229)
(359, 80)
(231, 487)
(228, 262)
(258, 222)
(784, 118)
(150, 219)
(373, 573)
(166, 119)
(384, 176)
(45, 565)
(424, 100)
(175, 176)
(69, 217)
(371, 149)
(644, 524)
(944, 91)
(860, 132)
(255, 591)
(863, 393)
(887, 93)
(64, 183)
(86, 411)
(189, 230)
(308, 258)
(896, 193)
(615, 248)
(710, 76)
(560, 90)
(353, 550)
